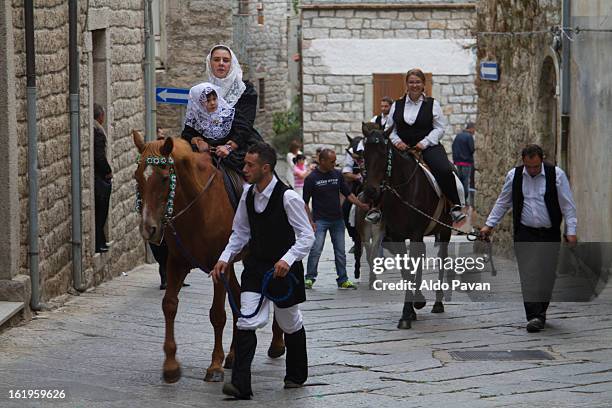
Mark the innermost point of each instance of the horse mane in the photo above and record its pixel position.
(180, 151)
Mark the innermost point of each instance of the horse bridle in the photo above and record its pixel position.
(168, 219)
(386, 185)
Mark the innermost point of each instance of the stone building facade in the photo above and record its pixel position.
(257, 31)
(525, 105)
(346, 44)
(111, 50)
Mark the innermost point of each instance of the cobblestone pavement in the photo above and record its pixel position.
(104, 348)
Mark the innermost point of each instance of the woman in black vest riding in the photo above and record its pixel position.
(419, 123)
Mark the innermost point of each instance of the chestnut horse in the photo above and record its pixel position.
(182, 199)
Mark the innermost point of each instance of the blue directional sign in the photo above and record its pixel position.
(489, 71)
(177, 96)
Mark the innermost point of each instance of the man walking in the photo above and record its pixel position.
(540, 196)
(102, 178)
(324, 185)
(272, 220)
(463, 157)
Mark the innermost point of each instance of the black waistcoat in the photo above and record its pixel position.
(550, 197)
(413, 134)
(378, 120)
(271, 237)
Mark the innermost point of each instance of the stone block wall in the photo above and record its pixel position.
(335, 104)
(126, 111)
(192, 29)
(267, 57)
(509, 109)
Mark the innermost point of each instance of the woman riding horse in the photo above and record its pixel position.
(418, 123)
(224, 71)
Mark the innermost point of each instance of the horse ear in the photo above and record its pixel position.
(166, 149)
(350, 139)
(138, 140)
(364, 128)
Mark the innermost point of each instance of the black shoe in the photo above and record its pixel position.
(101, 249)
(535, 325)
(163, 286)
(290, 384)
(233, 391)
(105, 245)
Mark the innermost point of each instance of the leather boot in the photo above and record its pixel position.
(297, 359)
(246, 343)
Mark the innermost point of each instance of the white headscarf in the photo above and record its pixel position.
(212, 125)
(231, 86)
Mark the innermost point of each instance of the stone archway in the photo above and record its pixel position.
(547, 109)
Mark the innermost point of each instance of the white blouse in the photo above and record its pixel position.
(411, 111)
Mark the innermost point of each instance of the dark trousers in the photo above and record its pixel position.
(102, 192)
(537, 267)
(160, 253)
(465, 173)
(296, 363)
(442, 170)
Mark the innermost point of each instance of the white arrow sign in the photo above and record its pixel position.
(165, 95)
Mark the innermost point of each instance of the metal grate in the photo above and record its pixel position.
(496, 355)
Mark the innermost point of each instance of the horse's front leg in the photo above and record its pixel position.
(176, 275)
(235, 292)
(438, 306)
(277, 346)
(214, 372)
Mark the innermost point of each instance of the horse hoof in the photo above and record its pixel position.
(419, 301)
(172, 376)
(438, 307)
(229, 361)
(214, 376)
(357, 274)
(276, 352)
(404, 324)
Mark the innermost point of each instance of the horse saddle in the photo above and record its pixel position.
(434, 183)
(233, 184)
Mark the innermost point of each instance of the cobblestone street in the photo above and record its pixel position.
(104, 349)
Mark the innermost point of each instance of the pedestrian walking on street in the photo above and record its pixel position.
(294, 150)
(300, 172)
(272, 220)
(540, 197)
(417, 122)
(324, 185)
(103, 176)
(385, 107)
(463, 157)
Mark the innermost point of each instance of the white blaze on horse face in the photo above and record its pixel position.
(148, 172)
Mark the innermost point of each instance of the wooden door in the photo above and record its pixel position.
(394, 86)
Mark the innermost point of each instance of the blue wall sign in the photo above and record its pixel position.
(177, 96)
(489, 71)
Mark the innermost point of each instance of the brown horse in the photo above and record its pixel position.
(183, 200)
(387, 166)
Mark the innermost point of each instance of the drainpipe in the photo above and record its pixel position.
(149, 73)
(28, 6)
(75, 145)
(565, 85)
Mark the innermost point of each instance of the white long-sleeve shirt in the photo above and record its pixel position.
(411, 111)
(535, 213)
(296, 213)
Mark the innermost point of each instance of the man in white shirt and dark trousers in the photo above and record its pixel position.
(385, 107)
(272, 220)
(540, 196)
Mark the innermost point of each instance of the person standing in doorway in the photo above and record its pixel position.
(103, 176)
(324, 185)
(540, 197)
(385, 108)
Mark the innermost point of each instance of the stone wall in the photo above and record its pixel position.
(124, 28)
(192, 29)
(509, 109)
(336, 103)
(267, 57)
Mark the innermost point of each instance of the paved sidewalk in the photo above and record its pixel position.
(104, 348)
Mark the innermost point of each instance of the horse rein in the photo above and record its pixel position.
(386, 185)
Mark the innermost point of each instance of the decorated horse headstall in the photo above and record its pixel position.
(160, 161)
(380, 139)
